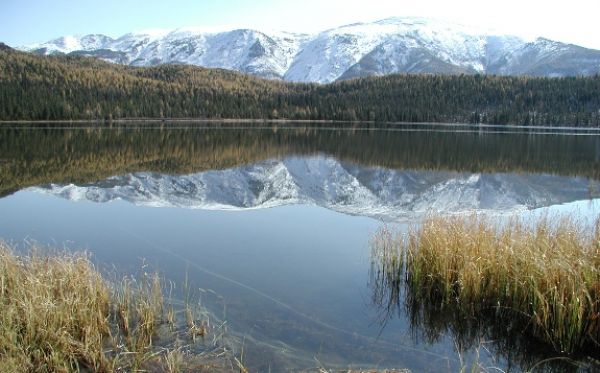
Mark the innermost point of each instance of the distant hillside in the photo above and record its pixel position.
(4, 47)
(36, 87)
(389, 46)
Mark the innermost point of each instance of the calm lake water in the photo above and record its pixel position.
(273, 223)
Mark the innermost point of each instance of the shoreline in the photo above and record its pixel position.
(166, 121)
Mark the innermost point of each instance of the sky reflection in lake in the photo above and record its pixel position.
(277, 223)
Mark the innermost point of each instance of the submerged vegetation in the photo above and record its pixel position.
(57, 87)
(57, 314)
(523, 284)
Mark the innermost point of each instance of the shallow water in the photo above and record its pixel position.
(273, 225)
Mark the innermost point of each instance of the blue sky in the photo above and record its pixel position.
(29, 21)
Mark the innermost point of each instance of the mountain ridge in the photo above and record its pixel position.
(388, 46)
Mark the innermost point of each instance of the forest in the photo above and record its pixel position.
(36, 87)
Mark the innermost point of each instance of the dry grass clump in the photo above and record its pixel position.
(53, 314)
(545, 273)
(57, 314)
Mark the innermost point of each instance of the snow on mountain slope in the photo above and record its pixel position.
(68, 44)
(544, 57)
(368, 191)
(393, 45)
(333, 52)
(242, 50)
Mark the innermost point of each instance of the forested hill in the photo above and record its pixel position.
(40, 87)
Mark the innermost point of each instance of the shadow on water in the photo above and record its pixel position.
(503, 333)
(41, 154)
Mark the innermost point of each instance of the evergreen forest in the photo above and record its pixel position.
(36, 87)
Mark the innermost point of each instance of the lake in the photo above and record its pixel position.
(273, 223)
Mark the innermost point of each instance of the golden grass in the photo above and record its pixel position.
(546, 273)
(57, 314)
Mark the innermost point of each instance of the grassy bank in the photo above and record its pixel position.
(546, 275)
(57, 314)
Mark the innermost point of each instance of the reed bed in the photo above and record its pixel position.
(546, 273)
(57, 314)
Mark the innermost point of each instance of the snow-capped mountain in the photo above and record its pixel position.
(394, 45)
(247, 51)
(348, 188)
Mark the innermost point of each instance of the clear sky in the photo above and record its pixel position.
(29, 21)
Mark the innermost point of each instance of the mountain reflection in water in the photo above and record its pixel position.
(339, 186)
(293, 277)
(41, 154)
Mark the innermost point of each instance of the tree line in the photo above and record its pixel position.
(72, 87)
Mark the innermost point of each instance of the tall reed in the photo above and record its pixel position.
(545, 273)
(57, 314)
